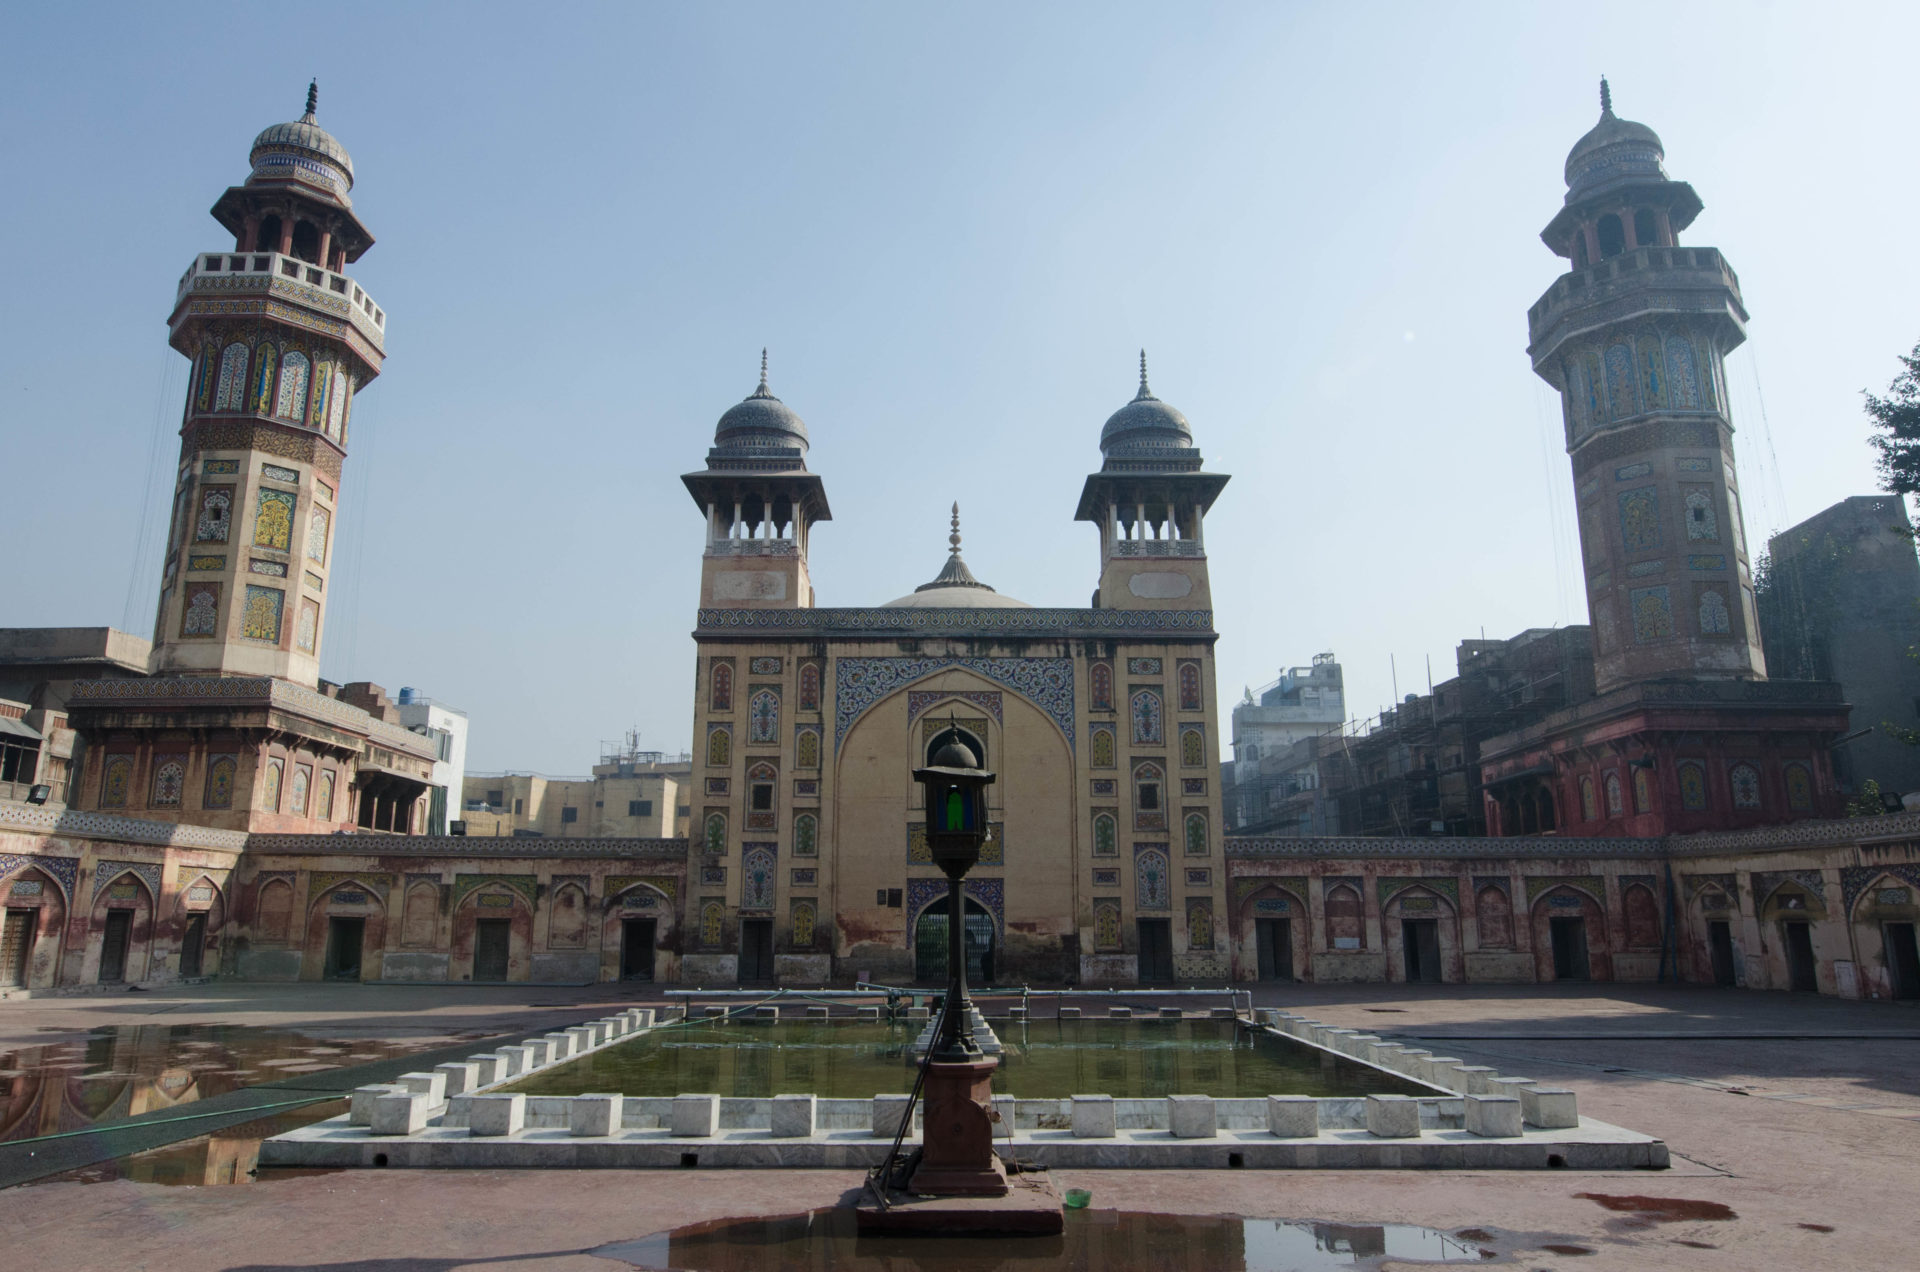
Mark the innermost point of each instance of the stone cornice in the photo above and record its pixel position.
(1448, 847)
(251, 691)
(465, 846)
(35, 819)
(906, 621)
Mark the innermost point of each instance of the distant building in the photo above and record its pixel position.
(1842, 602)
(1302, 702)
(445, 728)
(631, 794)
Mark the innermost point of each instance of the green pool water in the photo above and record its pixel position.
(1046, 1059)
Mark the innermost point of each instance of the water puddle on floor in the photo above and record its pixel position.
(1110, 1240)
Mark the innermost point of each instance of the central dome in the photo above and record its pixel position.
(761, 419)
(955, 587)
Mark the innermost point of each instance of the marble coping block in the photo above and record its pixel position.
(612, 1027)
(1094, 1117)
(1359, 1046)
(1268, 1016)
(1480, 1080)
(1069, 1013)
(1192, 1117)
(1493, 1116)
(765, 1015)
(597, 1114)
(1293, 1116)
(1016, 1013)
(431, 1085)
(1222, 1013)
(583, 1039)
(818, 1012)
(1507, 1086)
(1463, 1076)
(695, 1115)
(642, 1017)
(1437, 1069)
(496, 1114)
(539, 1052)
(866, 1013)
(512, 1062)
(918, 1013)
(1120, 1013)
(563, 1043)
(792, 1117)
(1171, 1013)
(360, 1103)
(887, 1112)
(400, 1113)
(713, 1011)
(1393, 1116)
(461, 1076)
(1411, 1061)
(1300, 1027)
(1549, 1108)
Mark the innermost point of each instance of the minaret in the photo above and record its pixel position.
(760, 502)
(1149, 500)
(280, 340)
(1635, 338)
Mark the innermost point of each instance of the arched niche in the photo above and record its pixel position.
(345, 930)
(1416, 952)
(33, 906)
(120, 928)
(420, 915)
(1570, 935)
(627, 918)
(1885, 922)
(199, 922)
(477, 953)
(568, 923)
(1272, 937)
(930, 942)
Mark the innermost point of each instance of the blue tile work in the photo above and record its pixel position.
(1631, 471)
(920, 699)
(64, 870)
(861, 682)
(107, 871)
(990, 893)
(1854, 881)
(1707, 562)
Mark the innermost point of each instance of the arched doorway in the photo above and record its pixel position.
(930, 943)
(30, 926)
(1422, 934)
(1274, 936)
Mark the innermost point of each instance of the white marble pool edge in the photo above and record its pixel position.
(455, 1117)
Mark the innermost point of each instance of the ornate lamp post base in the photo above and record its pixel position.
(956, 1154)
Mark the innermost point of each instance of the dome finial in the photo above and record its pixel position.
(1145, 392)
(313, 100)
(763, 390)
(1606, 97)
(953, 539)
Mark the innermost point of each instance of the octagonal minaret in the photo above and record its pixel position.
(1635, 338)
(281, 338)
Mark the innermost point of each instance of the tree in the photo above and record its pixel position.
(1897, 416)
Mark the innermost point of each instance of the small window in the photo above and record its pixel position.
(893, 898)
(519, 806)
(639, 808)
(762, 796)
(1149, 795)
(569, 815)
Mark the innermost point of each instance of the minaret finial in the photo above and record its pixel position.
(1606, 97)
(1145, 392)
(313, 97)
(763, 369)
(953, 539)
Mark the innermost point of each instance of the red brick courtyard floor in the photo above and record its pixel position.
(1801, 1115)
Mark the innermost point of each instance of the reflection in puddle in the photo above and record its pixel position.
(121, 1072)
(228, 1156)
(1110, 1240)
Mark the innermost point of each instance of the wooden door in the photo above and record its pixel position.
(193, 945)
(1720, 950)
(16, 941)
(1801, 975)
(756, 949)
(344, 939)
(113, 948)
(1273, 941)
(1156, 950)
(492, 943)
(1570, 949)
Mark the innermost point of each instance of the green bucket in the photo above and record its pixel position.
(1077, 1198)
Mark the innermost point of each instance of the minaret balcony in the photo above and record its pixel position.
(1646, 281)
(301, 282)
(753, 548)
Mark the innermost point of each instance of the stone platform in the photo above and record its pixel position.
(1031, 1208)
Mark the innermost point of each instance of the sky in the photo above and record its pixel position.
(954, 227)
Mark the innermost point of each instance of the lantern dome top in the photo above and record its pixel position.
(955, 755)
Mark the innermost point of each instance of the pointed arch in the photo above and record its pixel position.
(232, 393)
(291, 403)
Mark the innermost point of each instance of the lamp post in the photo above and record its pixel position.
(957, 1145)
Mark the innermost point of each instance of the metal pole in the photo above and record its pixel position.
(952, 1029)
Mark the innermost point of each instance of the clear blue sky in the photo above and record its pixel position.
(954, 226)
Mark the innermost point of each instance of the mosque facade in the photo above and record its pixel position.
(220, 810)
